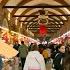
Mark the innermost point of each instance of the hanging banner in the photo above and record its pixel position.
(42, 30)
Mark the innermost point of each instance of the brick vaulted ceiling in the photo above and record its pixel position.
(25, 10)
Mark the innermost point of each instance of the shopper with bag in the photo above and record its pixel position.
(34, 60)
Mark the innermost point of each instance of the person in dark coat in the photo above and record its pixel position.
(41, 48)
(23, 51)
(66, 62)
(16, 46)
(1, 63)
(30, 46)
(58, 59)
(16, 58)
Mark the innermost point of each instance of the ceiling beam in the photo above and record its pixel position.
(53, 28)
(55, 24)
(46, 6)
(46, 27)
(3, 2)
(48, 21)
(49, 27)
(38, 15)
(25, 15)
(46, 24)
(27, 21)
(47, 31)
(57, 20)
(37, 21)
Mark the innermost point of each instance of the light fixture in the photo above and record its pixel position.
(9, 16)
(16, 21)
(21, 25)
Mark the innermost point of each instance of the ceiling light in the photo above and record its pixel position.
(8, 15)
(56, 22)
(61, 22)
(59, 25)
(16, 21)
(21, 25)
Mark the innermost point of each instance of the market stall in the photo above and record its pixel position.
(65, 38)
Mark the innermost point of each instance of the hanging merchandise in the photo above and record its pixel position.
(62, 39)
(5, 37)
(15, 38)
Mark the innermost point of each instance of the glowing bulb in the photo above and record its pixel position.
(21, 25)
(9, 16)
(16, 21)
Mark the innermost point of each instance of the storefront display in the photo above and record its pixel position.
(64, 39)
(10, 37)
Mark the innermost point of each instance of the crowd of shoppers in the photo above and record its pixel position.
(41, 57)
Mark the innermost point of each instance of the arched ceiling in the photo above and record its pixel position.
(57, 16)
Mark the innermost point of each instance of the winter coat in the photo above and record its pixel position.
(16, 47)
(57, 62)
(34, 61)
(1, 63)
(23, 51)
